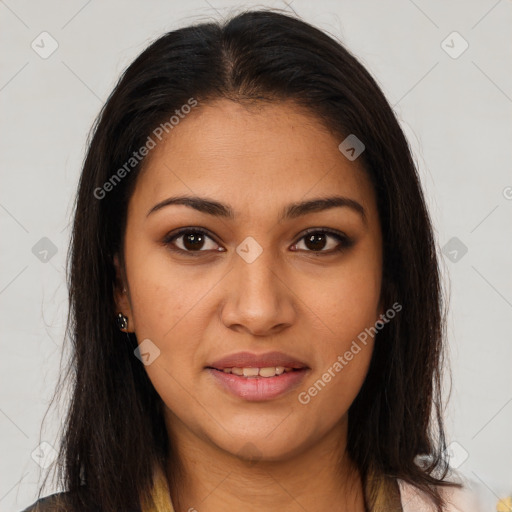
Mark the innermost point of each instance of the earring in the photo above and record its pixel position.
(122, 321)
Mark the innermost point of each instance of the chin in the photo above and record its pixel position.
(254, 449)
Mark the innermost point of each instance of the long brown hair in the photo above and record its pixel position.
(114, 432)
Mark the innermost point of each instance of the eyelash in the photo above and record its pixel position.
(344, 241)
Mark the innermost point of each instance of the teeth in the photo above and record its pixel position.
(267, 372)
(270, 371)
(250, 372)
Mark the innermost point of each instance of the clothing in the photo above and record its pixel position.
(412, 500)
(459, 500)
(48, 504)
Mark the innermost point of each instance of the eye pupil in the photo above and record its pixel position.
(317, 240)
(193, 241)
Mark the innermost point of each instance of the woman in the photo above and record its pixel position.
(256, 311)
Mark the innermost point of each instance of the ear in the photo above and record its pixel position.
(121, 296)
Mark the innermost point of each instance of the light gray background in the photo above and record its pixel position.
(455, 113)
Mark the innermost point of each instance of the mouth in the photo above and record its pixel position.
(247, 361)
(257, 384)
(250, 372)
(257, 377)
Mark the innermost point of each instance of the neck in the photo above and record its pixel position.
(311, 479)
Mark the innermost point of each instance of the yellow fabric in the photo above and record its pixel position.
(504, 505)
(162, 499)
(410, 499)
(160, 493)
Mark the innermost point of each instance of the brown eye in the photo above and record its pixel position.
(324, 241)
(190, 241)
(316, 241)
(193, 241)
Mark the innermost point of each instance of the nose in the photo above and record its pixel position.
(258, 298)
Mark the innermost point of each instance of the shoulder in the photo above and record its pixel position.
(463, 499)
(53, 502)
(59, 502)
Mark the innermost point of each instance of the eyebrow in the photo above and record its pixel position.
(291, 211)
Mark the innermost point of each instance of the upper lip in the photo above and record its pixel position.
(249, 360)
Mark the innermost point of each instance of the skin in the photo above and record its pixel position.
(276, 455)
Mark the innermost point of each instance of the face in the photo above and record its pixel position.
(305, 284)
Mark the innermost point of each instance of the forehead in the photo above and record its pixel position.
(268, 152)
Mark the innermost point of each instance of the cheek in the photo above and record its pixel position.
(343, 341)
(166, 307)
(343, 346)
(346, 309)
(331, 391)
(346, 300)
(164, 295)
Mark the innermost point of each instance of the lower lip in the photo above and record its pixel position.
(258, 388)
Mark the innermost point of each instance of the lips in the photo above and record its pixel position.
(249, 360)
